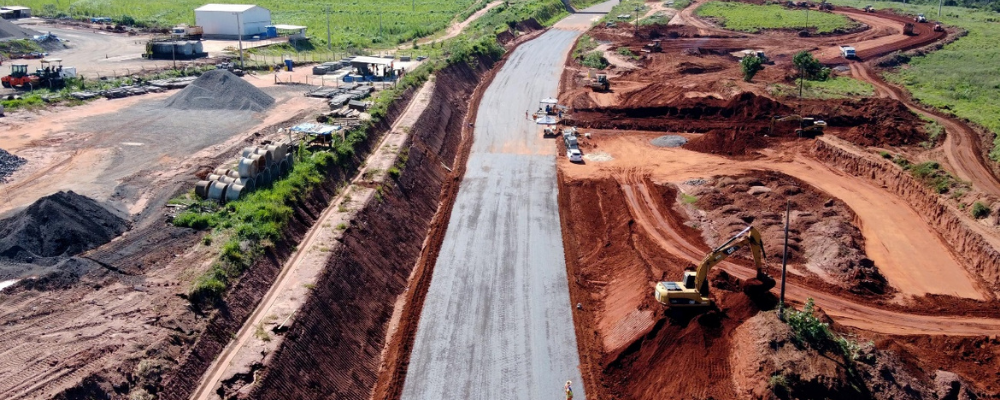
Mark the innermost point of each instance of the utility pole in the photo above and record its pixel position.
(328, 45)
(940, 3)
(784, 263)
(380, 24)
(239, 28)
(636, 21)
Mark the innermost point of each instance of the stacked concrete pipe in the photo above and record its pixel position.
(258, 168)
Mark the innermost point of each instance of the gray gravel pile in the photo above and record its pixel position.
(9, 30)
(669, 141)
(9, 163)
(220, 90)
(56, 226)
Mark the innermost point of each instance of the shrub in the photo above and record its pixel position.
(807, 327)
(885, 155)
(750, 65)
(810, 67)
(594, 59)
(980, 210)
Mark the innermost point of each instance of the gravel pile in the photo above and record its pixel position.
(220, 90)
(56, 226)
(669, 141)
(598, 156)
(9, 30)
(9, 163)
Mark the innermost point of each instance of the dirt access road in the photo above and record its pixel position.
(97, 53)
(497, 316)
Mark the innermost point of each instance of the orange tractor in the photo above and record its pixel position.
(19, 77)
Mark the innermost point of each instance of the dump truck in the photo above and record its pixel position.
(848, 52)
(187, 32)
(908, 29)
(808, 127)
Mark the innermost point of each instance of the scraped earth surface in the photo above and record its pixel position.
(866, 240)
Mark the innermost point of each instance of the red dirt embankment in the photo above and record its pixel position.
(975, 248)
(251, 287)
(333, 349)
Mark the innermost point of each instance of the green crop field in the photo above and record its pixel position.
(353, 23)
(833, 88)
(964, 76)
(754, 18)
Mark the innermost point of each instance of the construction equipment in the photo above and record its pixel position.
(848, 52)
(908, 29)
(183, 31)
(231, 67)
(869, 9)
(938, 28)
(19, 77)
(653, 47)
(825, 6)
(599, 83)
(920, 18)
(808, 127)
(53, 75)
(692, 291)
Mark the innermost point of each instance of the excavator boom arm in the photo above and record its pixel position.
(748, 237)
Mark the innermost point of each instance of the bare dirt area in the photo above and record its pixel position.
(682, 154)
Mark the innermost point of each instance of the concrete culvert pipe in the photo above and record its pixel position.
(290, 158)
(275, 173)
(217, 191)
(283, 168)
(278, 152)
(233, 174)
(268, 155)
(247, 168)
(214, 177)
(235, 192)
(247, 151)
(249, 184)
(221, 171)
(201, 189)
(260, 160)
(227, 179)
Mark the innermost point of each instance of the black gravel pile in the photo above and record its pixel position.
(10, 30)
(220, 90)
(57, 226)
(9, 163)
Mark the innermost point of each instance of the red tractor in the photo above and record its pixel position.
(19, 77)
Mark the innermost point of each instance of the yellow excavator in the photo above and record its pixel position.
(692, 291)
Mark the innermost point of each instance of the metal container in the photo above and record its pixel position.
(217, 191)
(201, 189)
(247, 168)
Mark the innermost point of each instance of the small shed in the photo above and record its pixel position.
(230, 21)
(371, 65)
(294, 32)
(18, 11)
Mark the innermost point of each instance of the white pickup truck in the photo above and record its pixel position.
(847, 52)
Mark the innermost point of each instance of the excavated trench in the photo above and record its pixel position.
(333, 350)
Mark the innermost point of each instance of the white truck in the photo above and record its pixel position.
(847, 52)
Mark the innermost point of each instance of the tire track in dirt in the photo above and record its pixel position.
(666, 232)
(961, 144)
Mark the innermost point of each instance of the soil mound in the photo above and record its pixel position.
(220, 90)
(769, 361)
(59, 225)
(731, 142)
(874, 122)
(9, 164)
(668, 141)
(9, 30)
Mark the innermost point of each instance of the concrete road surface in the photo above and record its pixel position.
(497, 321)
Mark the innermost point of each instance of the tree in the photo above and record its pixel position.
(810, 67)
(751, 65)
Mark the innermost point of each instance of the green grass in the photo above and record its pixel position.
(353, 23)
(754, 18)
(680, 4)
(625, 7)
(833, 88)
(688, 199)
(962, 77)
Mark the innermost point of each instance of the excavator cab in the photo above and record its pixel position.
(692, 290)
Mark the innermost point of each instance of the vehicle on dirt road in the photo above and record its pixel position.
(908, 29)
(920, 18)
(808, 127)
(574, 155)
(692, 290)
(826, 6)
(938, 28)
(599, 83)
(653, 47)
(848, 52)
(869, 9)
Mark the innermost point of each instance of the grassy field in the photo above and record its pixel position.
(352, 23)
(963, 77)
(754, 18)
(833, 88)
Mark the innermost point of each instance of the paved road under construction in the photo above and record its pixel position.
(497, 320)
